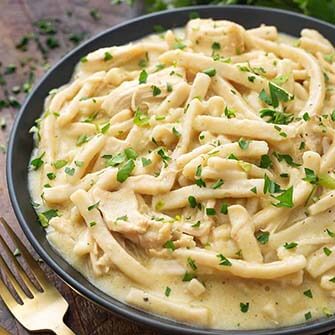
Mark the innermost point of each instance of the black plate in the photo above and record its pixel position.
(21, 145)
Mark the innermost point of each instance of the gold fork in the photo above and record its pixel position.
(44, 307)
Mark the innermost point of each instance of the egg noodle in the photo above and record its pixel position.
(190, 174)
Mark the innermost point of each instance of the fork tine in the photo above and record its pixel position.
(19, 268)
(6, 296)
(22, 295)
(34, 267)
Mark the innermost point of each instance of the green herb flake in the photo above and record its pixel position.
(229, 113)
(243, 144)
(46, 216)
(37, 162)
(69, 171)
(291, 245)
(59, 163)
(263, 237)
(308, 316)
(82, 139)
(197, 225)
(285, 199)
(265, 162)
(141, 119)
(92, 224)
(306, 117)
(224, 208)
(51, 176)
(218, 184)
(192, 201)
(167, 291)
(169, 245)
(125, 171)
(223, 260)
(188, 276)
(191, 263)
(211, 72)
(327, 251)
(308, 294)
(155, 90)
(210, 211)
(244, 307)
(143, 77)
(94, 206)
(145, 161)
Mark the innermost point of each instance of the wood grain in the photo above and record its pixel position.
(18, 18)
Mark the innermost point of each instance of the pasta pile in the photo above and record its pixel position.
(209, 155)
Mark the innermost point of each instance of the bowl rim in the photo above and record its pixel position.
(126, 311)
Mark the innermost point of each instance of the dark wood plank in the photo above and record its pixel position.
(18, 18)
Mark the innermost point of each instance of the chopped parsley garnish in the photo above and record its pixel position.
(330, 233)
(130, 153)
(51, 176)
(145, 161)
(291, 245)
(217, 184)
(165, 158)
(287, 158)
(306, 117)
(270, 186)
(69, 171)
(200, 182)
(125, 171)
(310, 176)
(224, 208)
(192, 201)
(210, 211)
(277, 94)
(198, 171)
(223, 260)
(82, 139)
(229, 113)
(92, 224)
(196, 225)
(285, 199)
(327, 251)
(211, 72)
(141, 119)
(176, 132)
(143, 77)
(59, 163)
(265, 162)
(254, 190)
(216, 46)
(91, 207)
(326, 181)
(191, 263)
(155, 90)
(243, 144)
(46, 216)
(263, 237)
(188, 276)
(232, 156)
(308, 294)
(107, 56)
(244, 307)
(332, 280)
(280, 80)
(37, 162)
(308, 316)
(105, 128)
(169, 245)
(122, 218)
(167, 291)
(276, 117)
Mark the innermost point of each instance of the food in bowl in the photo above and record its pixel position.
(190, 174)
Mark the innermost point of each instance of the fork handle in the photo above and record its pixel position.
(63, 329)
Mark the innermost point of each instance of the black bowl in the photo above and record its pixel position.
(21, 145)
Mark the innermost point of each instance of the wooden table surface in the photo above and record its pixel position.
(73, 19)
